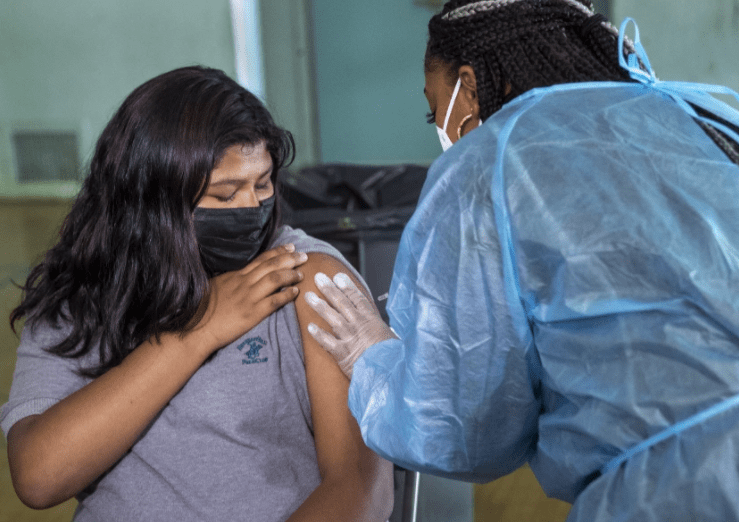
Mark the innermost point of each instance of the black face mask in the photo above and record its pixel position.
(231, 237)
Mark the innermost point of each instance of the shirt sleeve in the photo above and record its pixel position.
(305, 243)
(40, 379)
(456, 395)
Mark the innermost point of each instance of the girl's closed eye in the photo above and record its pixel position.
(431, 118)
(225, 198)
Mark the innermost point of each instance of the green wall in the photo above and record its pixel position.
(345, 76)
(370, 78)
(68, 65)
(688, 40)
(289, 74)
(369, 74)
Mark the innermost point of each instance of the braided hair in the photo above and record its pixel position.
(523, 44)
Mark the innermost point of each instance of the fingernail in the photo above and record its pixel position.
(322, 279)
(342, 280)
(311, 298)
(303, 257)
(289, 247)
(312, 328)
(300, 275)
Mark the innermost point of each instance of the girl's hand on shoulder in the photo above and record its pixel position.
(241, 299)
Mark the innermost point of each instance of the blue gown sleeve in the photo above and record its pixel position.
(456, 395)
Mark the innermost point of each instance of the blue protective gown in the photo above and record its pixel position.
(567, 289)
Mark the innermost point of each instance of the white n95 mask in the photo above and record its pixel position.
(446, 142)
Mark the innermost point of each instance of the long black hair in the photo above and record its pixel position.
(523, 44)
(127, 265)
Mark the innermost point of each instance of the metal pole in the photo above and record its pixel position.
(410, 496)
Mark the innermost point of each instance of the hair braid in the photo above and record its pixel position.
(523, 44)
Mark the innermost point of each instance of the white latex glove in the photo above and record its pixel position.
(355, 321)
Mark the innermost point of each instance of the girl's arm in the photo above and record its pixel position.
(356, 485)
(56, 454)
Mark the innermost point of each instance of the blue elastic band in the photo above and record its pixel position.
(683, 92)
(513, 287)
(636, 72)
(672, 430)
(680, 92)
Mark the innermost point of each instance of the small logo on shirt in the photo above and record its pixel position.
(252, 354)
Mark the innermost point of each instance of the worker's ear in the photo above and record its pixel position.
(468, 91)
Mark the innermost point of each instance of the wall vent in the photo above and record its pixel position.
(42, 156)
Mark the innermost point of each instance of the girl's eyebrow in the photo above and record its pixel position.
(267, 172)
(229, 181)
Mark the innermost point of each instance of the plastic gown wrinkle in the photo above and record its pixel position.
(567, 288)
(454, 252)
(658, 337)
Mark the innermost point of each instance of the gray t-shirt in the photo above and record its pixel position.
(235, 444)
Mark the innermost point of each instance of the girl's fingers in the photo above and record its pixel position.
(280, 262)
(269, 254)
(275, 259)
(272, 282)
(277, 300)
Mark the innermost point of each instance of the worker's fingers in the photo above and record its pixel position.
(355, 295)
(336, 298)
(335, 320)
(327, 341)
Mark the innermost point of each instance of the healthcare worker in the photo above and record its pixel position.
(567, 291)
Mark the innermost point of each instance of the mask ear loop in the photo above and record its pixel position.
(451, 103)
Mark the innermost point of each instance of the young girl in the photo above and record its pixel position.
(165, 371)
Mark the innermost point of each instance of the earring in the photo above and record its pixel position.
(461, 126)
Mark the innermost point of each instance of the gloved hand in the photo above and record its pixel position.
(355, 321)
